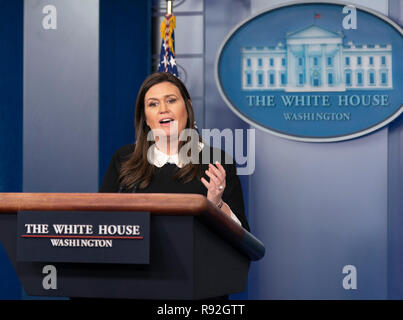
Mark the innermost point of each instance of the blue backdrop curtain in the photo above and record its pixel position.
(125, 61)
(11, 24)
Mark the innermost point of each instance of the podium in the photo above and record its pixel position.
(195, 250)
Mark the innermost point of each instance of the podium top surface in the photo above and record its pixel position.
(156, 203)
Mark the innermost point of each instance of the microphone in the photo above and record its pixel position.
(123, 188)
(135, 187)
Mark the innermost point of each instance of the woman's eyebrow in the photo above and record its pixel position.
(166, 96)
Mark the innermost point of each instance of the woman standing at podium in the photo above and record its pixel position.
(159, 162)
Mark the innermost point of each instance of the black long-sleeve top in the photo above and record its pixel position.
(163, 180)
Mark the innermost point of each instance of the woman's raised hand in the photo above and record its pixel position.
(216, 185)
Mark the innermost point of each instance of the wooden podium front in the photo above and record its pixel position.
(196, 251)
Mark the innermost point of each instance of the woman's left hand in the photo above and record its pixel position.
(216, 185)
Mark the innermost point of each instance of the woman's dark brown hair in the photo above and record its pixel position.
(137, 170)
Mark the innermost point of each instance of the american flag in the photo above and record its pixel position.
(167, 56)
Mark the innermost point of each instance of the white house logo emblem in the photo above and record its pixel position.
(298, 72)
(315, 59)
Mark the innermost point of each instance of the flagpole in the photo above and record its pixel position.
(167, 17)
(169, 7)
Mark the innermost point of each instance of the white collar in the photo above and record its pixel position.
(159, 158)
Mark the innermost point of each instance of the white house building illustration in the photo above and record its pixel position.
(315, 59)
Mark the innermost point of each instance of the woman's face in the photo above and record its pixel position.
(165, 109)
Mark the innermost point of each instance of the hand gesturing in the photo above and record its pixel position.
(216, 185)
